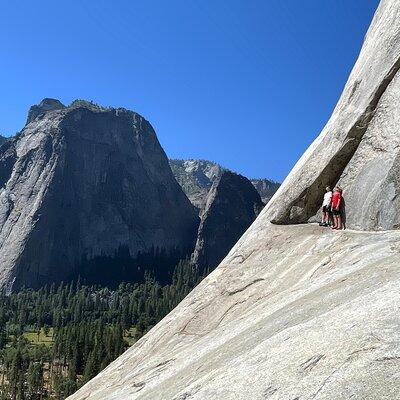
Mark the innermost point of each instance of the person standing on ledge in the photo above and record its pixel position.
(336, 203)
(326, 208)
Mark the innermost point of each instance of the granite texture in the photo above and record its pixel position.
(293, 312)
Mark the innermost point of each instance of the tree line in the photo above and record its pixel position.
(55, 339)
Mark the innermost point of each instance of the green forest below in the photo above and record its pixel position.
(54, 340)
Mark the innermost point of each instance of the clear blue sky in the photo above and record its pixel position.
(246, 83)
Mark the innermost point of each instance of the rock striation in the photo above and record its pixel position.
(296, 311)
(231, 207)
(82, 182)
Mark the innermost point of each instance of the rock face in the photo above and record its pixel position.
(231, 207)
(197, 176)
(228, 204)
(372, 178)
(79, 183)
(296, 311)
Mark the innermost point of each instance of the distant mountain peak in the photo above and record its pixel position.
(197, 176)
(47, 104)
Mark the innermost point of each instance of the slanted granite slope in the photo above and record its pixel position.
(297, 312)
(292, 312)
(372, 178)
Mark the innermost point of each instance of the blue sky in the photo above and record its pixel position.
(246, 83)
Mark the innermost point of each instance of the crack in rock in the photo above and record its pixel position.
(388, 358)
(269, 391)
(230, 293)
(311, 362)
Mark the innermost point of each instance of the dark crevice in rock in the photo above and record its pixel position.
(311, 363)
(269, 391)
(393, 358)
(230, 293)
(308, 202)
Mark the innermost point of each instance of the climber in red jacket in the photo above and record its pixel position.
(336, 208)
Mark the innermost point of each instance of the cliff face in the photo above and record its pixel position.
(372, 178)
(228, 204)
(231, 207)
(82, 182)
(297, 311)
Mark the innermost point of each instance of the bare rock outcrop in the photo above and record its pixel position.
(371, 180)
(231, 207)
(297, 311)
(83, 182)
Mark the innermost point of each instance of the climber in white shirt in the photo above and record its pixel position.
(327, 208)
